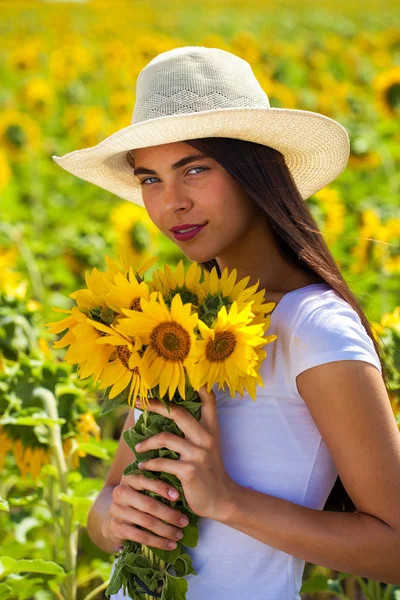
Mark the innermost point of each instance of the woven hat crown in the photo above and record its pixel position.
(195, 79)
(195, 92)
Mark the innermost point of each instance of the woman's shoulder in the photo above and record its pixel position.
(316, 325)
(293, 305)
(327, 328)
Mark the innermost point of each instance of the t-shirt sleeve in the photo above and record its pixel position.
(328, 333)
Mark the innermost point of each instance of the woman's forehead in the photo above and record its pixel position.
(171, 148)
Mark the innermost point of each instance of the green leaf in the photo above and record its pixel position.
(4, 506)
(5, 591)
(169, 556)
(94, 450)
(32, 420)
(316, 583)
(183, 565)
(9, 565)
(175, 588)
(24, 500)
(116, 579)
(108, 405)
(190, 535)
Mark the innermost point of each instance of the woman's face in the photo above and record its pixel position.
(198, 193)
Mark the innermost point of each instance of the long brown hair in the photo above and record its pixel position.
(264, 175)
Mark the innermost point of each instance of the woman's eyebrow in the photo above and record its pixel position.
(180, 163)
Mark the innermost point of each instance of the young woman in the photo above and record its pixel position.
(310, 471)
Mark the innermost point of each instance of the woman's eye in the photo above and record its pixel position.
(192, 169)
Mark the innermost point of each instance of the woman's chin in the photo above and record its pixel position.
(198, 255)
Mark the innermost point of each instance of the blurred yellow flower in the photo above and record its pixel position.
(11, 281)
(26, 56)
(373, 247)
(38, 96)
(387, 90)
(334, 212)
(19, 134)
(30, 459)
(5, 171)
(87, 427)
(137, 235)
(5, 446)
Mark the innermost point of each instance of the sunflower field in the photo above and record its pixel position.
(68, 72)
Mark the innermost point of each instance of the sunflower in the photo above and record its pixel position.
(187, 285)
(126, 292)
(30, 454)
(81, 339)
(98, 285)
(227, 353)
(251, 383)
(228, 290)
(123, 369)
(170, 339)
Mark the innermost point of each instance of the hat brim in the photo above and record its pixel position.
(316, 148)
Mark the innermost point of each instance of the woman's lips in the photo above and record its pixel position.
(189, 234)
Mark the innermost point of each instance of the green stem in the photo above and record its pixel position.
(378, 590)
(386, 595)
(364, 586)
(70, 536)
(99, 588)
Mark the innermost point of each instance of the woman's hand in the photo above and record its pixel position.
(200, 468)
(130, 507)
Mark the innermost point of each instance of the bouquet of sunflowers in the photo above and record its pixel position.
(164, 338)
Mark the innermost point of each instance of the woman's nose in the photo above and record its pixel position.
(176, 198)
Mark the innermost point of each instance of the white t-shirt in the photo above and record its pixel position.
(273, 446)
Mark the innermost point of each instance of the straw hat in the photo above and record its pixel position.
(198, 92)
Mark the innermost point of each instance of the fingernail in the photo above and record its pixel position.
(179, 535)
(171, 545)
(138, 446)
(184, 521)
(173, 493)
(140, 465)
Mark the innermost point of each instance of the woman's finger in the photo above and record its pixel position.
(209, 415)
(126, 496)
(185, 421)
(179, 468)
(126, 531)
(168, 440)
(127, 514)
(140, 482)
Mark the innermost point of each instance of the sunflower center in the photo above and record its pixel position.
(135, 305)
(171, 341)
(124, 355)
(221, 347)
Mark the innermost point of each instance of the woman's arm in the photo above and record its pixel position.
(99, 511)
(350, 406)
